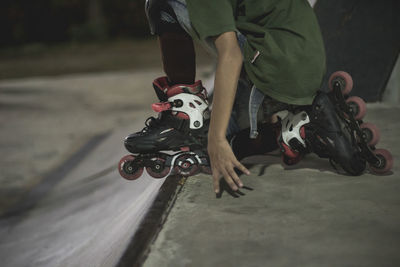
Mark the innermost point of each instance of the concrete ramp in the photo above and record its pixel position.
(87, 219)
(308, 214)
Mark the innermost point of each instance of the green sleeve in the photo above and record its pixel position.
(211, 17)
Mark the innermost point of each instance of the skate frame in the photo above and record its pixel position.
(357, 134)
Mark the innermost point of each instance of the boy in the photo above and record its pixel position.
(275, 46)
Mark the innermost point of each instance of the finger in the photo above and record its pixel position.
(216, 176)
(240, 193)
(248, 188)
(229, 180)
(235, 177)
(241, 167)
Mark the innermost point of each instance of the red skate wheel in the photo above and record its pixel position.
(344, 79)
(288, 152)
(128, 169)
(206, 169)
(186, 165)
(357, 106)
(386, 161)
(371, 133)
(157, 169)
(291, 161)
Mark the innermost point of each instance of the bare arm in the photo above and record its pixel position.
(223, 161)
(226, 79)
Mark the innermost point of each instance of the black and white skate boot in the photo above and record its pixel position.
(182, 126)
(332, 127)
(318, 129)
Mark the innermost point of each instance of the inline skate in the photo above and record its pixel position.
(175, 142)
(333, 128)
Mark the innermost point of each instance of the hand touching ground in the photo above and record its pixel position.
(223, 162)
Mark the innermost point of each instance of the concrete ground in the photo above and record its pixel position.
(304, 215)
(45, 121)
(85, 217)
(64, 204)
(62, 200)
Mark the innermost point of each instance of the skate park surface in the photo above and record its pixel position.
(303, 215)
(63, 137)
(81, 213)
(63, 203)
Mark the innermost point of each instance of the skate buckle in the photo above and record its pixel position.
(292, 127)
(160, 107)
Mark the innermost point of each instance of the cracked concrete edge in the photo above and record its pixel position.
(151, 225)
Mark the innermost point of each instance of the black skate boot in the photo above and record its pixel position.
(363, 136)
(319, 129)
(182, 125)
(331, 137)
(243, 146)
(332, 127)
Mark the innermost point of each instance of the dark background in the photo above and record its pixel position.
(55, 21)
(362, 37)
(50, 37)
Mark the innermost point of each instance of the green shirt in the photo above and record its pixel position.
(284, 54)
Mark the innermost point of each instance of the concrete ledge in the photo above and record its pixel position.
(303, 215)
(139, 247)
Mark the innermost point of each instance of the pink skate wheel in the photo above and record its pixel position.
(371, 133)
(358, 107)
(344, 79)
(127, 169)
(386, 161)
(158, 169)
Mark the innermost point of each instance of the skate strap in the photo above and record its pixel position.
(160, 107)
